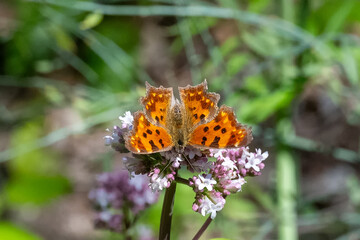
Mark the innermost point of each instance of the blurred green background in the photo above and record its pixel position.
(290, 69)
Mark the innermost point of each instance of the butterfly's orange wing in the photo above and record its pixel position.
(157, 104)
(199, 105)
(223, 131)
(146, 137)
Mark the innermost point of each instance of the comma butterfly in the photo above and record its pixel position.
(196, 120)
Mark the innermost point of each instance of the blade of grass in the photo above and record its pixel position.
(286, 194)
(288, 30)
(191, 55)
(285, 163)
(62, 133)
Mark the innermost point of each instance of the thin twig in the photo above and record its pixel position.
(203, 228)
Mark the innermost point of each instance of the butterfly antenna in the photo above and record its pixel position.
(188, 161)
(167, 165)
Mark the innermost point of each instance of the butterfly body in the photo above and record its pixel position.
(195, 120)
(177, 127)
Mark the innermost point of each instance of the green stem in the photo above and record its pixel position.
(286, 191)
(127, 223)
(167, 212)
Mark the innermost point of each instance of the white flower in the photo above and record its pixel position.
(176, 162)
(252, 162)
(215, 208)
(244, 155)
(254, 159)
(228, 163)
(206, 182)
(219, 153)
(208, 207)
(235, 185)
(127, 120)
(263, 156)
(158, 184)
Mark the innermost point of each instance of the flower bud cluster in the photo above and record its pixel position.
(225, 176)
(162, 176)
(116, 193)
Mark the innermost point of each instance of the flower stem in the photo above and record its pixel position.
(182, 181)
(167, 212)
(202, 229)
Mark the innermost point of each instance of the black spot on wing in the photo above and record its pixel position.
(215, 142)
(149, 131)
(217, 127)
(153, 146)
(203, 140)
(206, 129)
(140, 145)
(161, 142)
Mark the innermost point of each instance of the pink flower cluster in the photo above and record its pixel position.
(115, 192)
(225, 176)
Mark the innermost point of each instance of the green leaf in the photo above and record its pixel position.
(8, 231)
(235, 64)
(44, 160)
(63, 38)
(258, 5)
(36, 189)
(53, 94)
(256, 84)
(263, 42)
(349, 63)
(353, 185)
(338, 18)
(91, 20)
(229, 45)
(261, 108)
